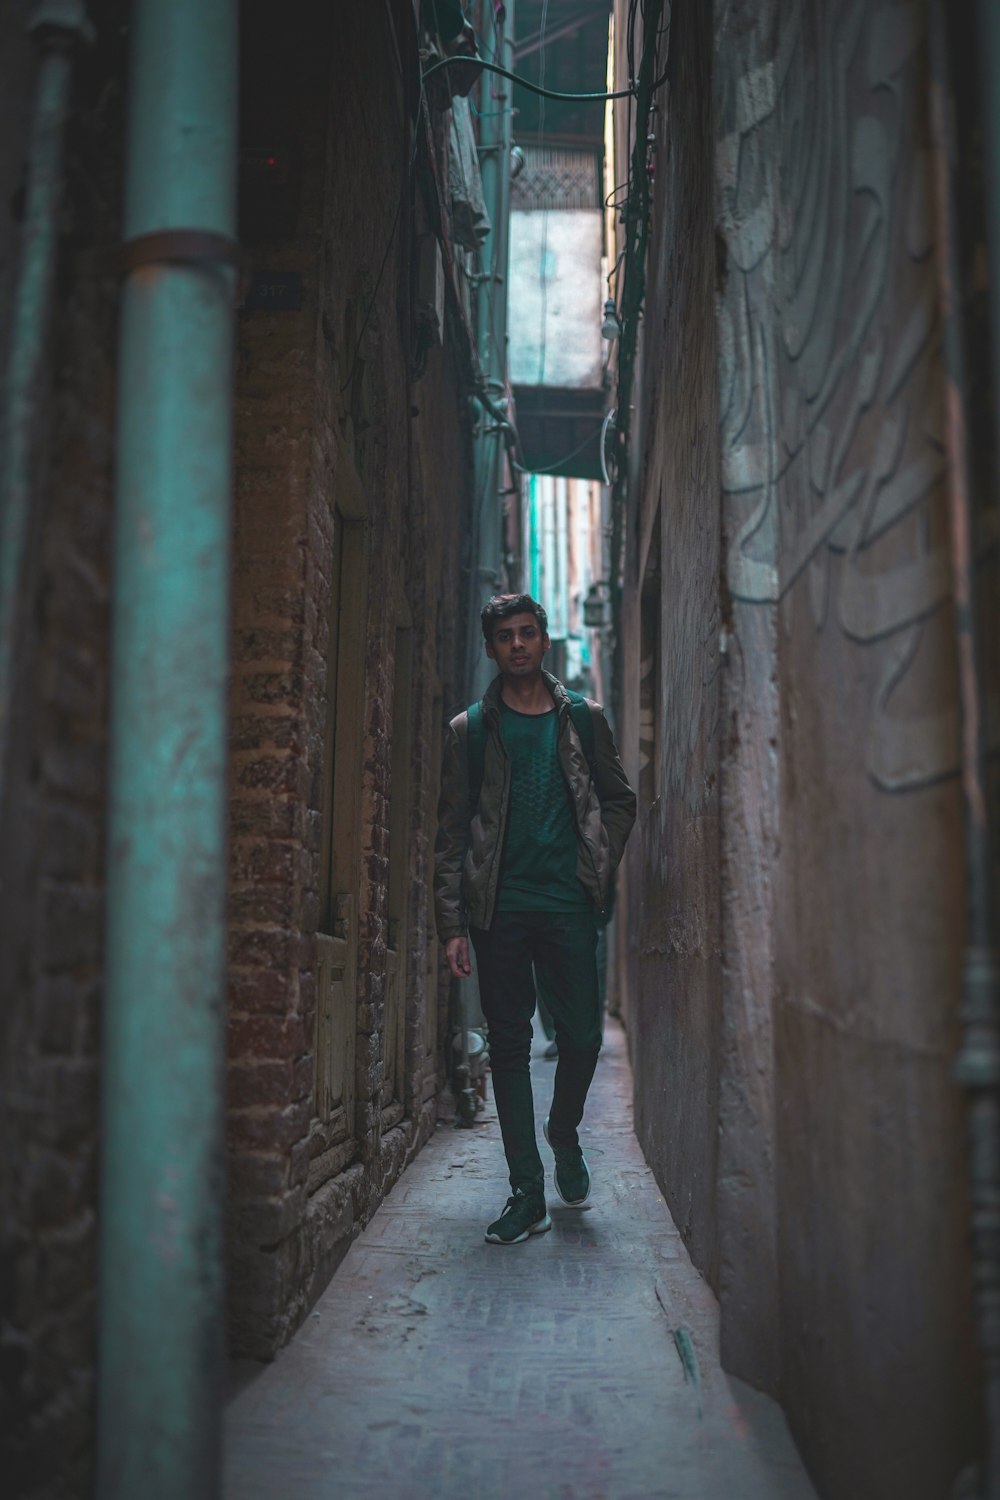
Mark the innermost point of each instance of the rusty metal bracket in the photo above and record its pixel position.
(198, 247)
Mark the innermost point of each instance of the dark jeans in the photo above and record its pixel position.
(563, 944)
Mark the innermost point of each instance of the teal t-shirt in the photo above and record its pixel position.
(539, 860)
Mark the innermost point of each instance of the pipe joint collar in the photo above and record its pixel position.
(55, 23)
(200, 247)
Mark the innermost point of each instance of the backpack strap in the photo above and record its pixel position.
(476, 750)
(583, 718)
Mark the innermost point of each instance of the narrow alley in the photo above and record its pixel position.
(583, 1364)
(499, 529)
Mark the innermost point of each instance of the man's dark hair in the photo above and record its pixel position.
(502, 606)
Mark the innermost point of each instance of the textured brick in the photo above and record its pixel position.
(267, 817)
(267, 644)
(282, 604)
(276, 903)
(62, 1263)
(64, 1102)
(312, 831)
(275, 730)
(273, 687)
(269, 861)
(71, 838)
(59, 1014)
(254, 1175)
(303, 1076)
(256, 1081)
(266, 947)
(267, 1221)
(71, 919)
(272, 774)
(52, 812)
(75, 769)
(301, 1154)
(60, 1184)
(262, 989)
(297, 425)
(260, 1128)
(266, 1036)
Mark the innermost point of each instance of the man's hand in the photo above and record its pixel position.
(457, 953)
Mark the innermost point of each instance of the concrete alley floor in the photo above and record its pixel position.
(581, 1364)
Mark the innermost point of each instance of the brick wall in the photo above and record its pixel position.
(52, 814)
(332, 94)
(332, 424)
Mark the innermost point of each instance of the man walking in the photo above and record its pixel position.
(534, 813)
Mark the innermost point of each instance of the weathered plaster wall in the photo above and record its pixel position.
(834, 515)
(673, 867)
(795, 1098)
(52, 797)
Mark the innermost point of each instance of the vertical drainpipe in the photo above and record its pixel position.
(988, 28)
(491, 338)
(561, 597)
(58, 26)
(160, 1356)
(978, 1062)
(491, 342)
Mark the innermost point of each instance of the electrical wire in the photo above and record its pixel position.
(374, 296)
(447, 62)
(389, 243)
(551, 468)
(495, 48)
(632, 291)
(543, 258)
(618, 188)
(543, 27)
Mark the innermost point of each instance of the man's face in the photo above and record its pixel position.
(518, 645)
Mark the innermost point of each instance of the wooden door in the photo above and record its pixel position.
(394, 1033)
(432, 956)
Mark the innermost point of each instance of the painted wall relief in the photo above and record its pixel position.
(831, 410)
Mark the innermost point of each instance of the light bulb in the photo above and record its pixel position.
(611, 328)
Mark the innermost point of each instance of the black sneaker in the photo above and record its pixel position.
(521, 1217)
(571, 1175)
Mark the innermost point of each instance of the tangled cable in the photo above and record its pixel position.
(446, 62)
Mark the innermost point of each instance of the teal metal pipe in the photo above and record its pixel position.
(161, 1340)
(491, 338)
(493, 427)
(57, 25)
(988, 27)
